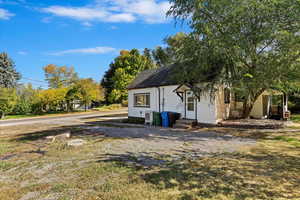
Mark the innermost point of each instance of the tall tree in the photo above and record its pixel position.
(58, 77)
(252, 45)
(121, 72)
(85, 90)
(25, 98)
(166, 56)
(8, 74)
(8, 99)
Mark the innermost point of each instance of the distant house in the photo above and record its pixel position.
(157, 90)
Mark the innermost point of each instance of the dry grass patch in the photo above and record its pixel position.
(42, 170)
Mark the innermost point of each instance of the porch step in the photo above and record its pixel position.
(184, 123)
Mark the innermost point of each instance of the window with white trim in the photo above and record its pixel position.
(142, 100)
(191, 104)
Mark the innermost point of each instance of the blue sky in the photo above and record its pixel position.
(85, 34)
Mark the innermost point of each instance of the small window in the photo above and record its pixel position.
(190, 104)
(226, 96)
(142, 100)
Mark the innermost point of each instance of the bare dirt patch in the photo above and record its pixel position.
(146, 163)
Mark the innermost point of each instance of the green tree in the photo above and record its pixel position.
(7, 101)
(50, 100)
(8, 74)
(166, 56)
(251, 45)
(25, 99)
(89, 91)
(58, 77)
(121, 72)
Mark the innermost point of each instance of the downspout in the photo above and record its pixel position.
(196, 110)
(185, 104)
(158, 88)
(163, 103)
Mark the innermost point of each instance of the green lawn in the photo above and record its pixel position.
(295, 118)
(20, 116)
(271, 170)
(42, 114)
(109, 107)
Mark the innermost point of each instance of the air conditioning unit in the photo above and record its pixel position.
(148, 117)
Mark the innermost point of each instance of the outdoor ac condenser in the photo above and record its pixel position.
(148, 117)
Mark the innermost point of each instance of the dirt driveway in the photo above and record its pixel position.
(151, 146)
(145, 146)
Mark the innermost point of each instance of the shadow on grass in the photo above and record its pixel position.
(141, 160)
(95, 129)
(259, 174)
(235, 176)
(76, 131)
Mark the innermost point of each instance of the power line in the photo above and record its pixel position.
(30, 79)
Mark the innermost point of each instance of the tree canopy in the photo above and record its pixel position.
(251, 45)
(121, 72)
(8, 74)
(8, 99)
(164, 56)
(58, 77)
(85, 90)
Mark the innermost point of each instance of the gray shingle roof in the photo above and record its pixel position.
(154, 77)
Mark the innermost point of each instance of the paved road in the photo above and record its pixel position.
(66, 119)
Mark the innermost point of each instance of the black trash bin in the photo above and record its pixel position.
(173, 116)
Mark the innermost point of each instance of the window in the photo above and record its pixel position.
(142, 100)
(190, 104)
(226, 96)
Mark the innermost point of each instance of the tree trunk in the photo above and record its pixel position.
(2, 115)
(247, 108)
(68, 106)
(249, 103)
(85, 107)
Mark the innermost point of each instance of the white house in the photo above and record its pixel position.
(157, 90)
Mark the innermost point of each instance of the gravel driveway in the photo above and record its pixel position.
(152, 146)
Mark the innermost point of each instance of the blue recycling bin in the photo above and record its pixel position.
(165, 119)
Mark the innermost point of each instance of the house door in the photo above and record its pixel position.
(190, 105)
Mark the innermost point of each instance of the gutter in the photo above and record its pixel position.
(158, 99)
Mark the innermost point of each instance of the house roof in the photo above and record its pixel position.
(162, 76)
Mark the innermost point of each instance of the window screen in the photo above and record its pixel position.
(142, 100)
(190, 104)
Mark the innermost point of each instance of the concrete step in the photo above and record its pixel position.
(182, 126)
(185, 121)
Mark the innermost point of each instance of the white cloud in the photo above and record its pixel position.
(22, 53)
(5, 14)
(89, 14)
(149, 11)
(94, 50)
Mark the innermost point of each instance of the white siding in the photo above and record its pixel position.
(169, 101)
(206, 111)
(140, 111)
